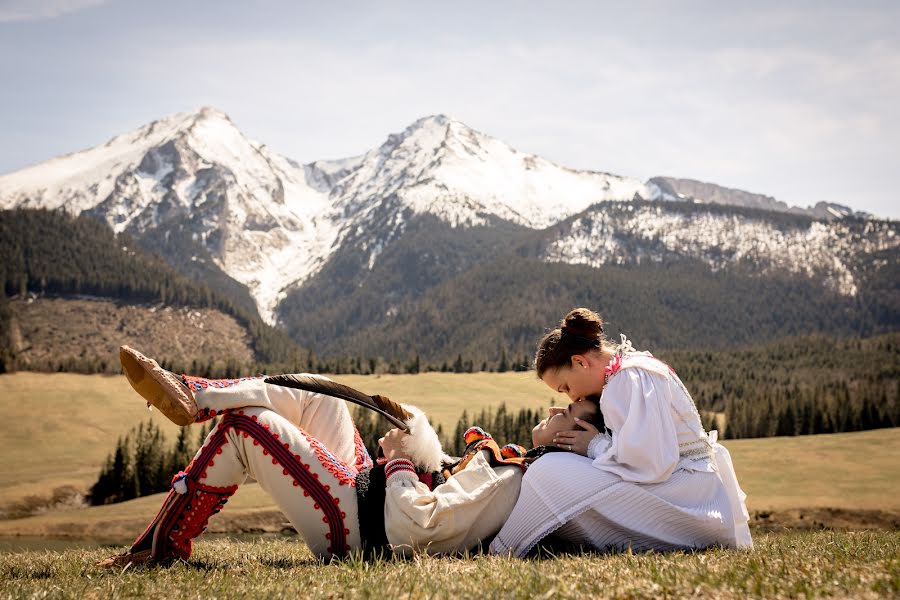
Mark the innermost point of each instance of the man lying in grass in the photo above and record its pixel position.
(304, 450)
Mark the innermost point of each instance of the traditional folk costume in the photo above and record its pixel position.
(655, 480)
(304, 450)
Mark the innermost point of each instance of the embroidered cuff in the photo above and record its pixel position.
(597, 446)
(400, 469)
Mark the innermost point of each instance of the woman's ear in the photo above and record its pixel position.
(579, 361)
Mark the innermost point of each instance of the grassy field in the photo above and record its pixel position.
(782, 565)
(60, 427)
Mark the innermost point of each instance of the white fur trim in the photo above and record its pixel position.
(422, 444)
(181, 486)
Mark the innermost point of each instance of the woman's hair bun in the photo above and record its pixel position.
(583, 322)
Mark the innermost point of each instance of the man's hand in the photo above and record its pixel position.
(392, 446)
(576, 440)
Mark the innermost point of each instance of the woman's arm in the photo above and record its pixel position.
(644, 443)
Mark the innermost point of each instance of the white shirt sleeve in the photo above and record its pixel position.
(644, 443)
(470, 507)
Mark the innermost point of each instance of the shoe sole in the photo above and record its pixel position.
(158, 387)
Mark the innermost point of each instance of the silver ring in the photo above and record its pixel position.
(570, 446)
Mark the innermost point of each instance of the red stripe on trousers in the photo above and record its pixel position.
(283, 456)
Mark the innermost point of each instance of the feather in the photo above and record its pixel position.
(383, 405)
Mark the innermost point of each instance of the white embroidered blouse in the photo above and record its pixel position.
(653, 431)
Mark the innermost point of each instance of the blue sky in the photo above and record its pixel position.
(796, 100)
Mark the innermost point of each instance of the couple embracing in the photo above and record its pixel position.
(626, 464)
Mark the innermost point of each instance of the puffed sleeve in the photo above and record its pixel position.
(644, 443)
(470, 507)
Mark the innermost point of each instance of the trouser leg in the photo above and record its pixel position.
(314, 489)
(323, 417)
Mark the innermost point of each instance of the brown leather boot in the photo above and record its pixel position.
(120, 561)
(160, 388)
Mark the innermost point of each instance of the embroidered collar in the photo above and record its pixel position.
(615, 363)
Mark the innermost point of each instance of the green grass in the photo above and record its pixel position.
(783, 565)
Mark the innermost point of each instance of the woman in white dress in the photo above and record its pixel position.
(654, 480)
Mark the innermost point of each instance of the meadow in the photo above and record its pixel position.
(60, 427)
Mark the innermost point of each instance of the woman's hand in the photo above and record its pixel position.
(392, 445)
(576, 440)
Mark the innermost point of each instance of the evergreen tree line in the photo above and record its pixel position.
(797, 386)
(441, 291)
(142, 464)
(51, 252)
(826, 408)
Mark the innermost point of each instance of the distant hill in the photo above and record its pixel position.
(64, 333)
(48, 254)
(678, 189)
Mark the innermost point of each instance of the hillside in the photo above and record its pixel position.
(48, 253)
(438, 291)
(84, 334)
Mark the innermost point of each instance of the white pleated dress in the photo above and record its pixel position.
(655, 481)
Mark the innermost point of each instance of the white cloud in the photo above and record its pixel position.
(37, 10)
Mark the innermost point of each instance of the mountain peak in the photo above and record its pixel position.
(207, 112)
(439, 120)
(431, 134)
(181, 122)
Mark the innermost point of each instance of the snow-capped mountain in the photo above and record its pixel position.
(701, 192)
(441, 167)
(264, 219)
(630, 233)
(270, 223)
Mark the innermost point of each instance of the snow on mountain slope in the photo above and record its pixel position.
(265, 220)
(271, 223)
(441, 166)
(606, 235)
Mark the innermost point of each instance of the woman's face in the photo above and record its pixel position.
(581, 378)
(561, 419)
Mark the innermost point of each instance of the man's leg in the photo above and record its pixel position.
(314, 489)
(325, 418)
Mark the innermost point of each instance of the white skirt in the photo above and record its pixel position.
(566, 495)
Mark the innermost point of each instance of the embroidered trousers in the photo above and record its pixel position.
(301, 447)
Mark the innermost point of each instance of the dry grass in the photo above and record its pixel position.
(59, 428)
(784, 565)
(50, 330)
(846, 470)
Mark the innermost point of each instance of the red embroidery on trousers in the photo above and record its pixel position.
(205, 502)
(302, 476)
